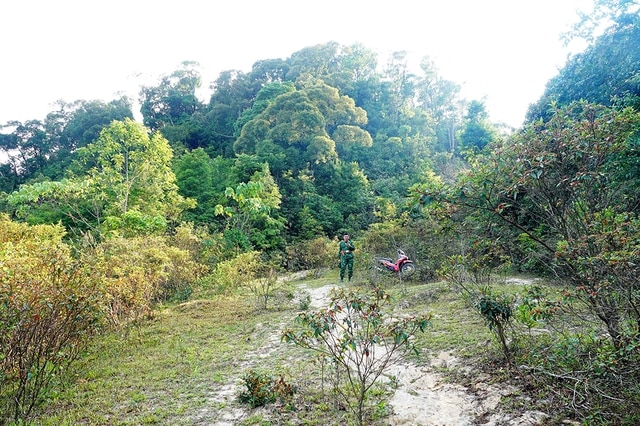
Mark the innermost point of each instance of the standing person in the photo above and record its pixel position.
(345, 254)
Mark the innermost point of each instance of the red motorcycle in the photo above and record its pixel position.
(403, 265)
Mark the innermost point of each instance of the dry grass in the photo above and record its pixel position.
(184, 366)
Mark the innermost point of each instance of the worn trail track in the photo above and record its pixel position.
(422, 397)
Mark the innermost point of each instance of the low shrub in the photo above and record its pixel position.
(50, 304)
(261, 388)
(311, 255)
(139, 272)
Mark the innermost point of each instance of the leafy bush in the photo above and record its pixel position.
(356, 335)
(251, 271)
(311, 255)
(50, 304)
(570, 184)
(262, 388)
(475, 275)
(304, 300)
(590, 379)
(139, 272)
(535, 307)
(497, 311)
(197, 242)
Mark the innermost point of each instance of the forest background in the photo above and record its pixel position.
(105, 217)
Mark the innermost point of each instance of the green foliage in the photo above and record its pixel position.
(309, 224)
(261, 278)
(264, 98)
(140, 272)
(253, 212)
(50, 304)
(360, 337)
(27, 148)
(295, 135)
(235, 241)
(261, 389)
(311, 255)
(173, 101)
(252, 272)
(478, 131)
(605, 271)
(37, 150)
(527, 256)
(440, 99)
(195, 240)
(561, 184)
(497, 311)
(535, 307)
(81, 122)
(69, 201)
(475, 274)
(203, 179)
(75, 125)
(594, 381)
(132, 169)
(132, 223)
(610, 13)
(130, 188)
(304, 300)
(606, 71)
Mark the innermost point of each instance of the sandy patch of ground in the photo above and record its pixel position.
(320, 297)
(422, 396)
(520, 281)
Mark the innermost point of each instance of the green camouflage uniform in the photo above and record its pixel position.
(345, 254)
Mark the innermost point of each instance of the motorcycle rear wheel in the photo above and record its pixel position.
(408, 269)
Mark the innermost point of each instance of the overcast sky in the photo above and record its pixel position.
(501, 50)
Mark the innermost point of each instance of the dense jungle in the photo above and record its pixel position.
(177, 264)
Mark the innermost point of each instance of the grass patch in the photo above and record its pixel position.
(185, 366)
(163, 369)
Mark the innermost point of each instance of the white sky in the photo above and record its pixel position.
(502, 50)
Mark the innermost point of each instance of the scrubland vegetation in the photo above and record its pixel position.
(143, 264)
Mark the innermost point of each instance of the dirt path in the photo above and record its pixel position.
(422, 397)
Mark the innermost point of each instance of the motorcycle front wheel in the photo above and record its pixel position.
(408, 269)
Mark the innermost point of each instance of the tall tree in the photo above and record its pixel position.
(302, 123)
(564, 186)
(605, 13)
(477, 131)
(28, 146)
(173, 100)
(77, 124)
(233, 92)
(46, 149)
(205, 180)
(315, 61)
(133, 169)
(252, 213)
(441, 99)
(296, 132)
(607, 71)
(129, 186)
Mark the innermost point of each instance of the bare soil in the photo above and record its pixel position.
(422, 397)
